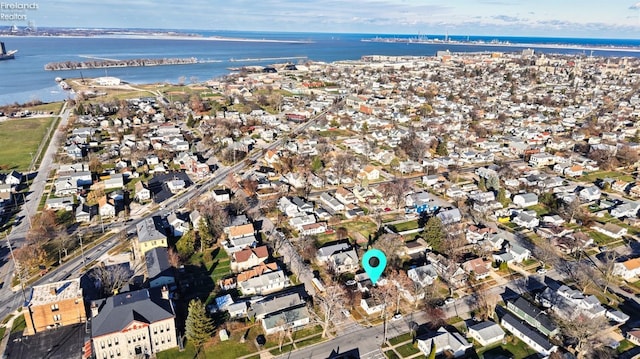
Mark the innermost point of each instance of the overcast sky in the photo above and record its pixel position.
(561, 18)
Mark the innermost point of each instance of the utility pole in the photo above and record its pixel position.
(16, 264)
(81, 247)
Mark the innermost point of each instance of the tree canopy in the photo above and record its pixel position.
(198, 326)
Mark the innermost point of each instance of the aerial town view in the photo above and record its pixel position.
(347, 187)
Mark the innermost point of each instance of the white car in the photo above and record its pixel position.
(397, 316)
(449, 301)
(541, 271)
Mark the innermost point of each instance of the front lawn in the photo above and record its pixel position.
(407, 350)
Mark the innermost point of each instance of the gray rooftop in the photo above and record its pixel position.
(117, 312)
(150, 229)
(157, 261)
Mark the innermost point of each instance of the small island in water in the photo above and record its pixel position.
(108, 63)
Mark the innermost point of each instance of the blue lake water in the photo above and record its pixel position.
(25, 79)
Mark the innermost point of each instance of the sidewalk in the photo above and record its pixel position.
(7, 333)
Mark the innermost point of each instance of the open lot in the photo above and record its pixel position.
(19, 138)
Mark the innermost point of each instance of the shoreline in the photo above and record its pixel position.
(165, 37)
(511, 45)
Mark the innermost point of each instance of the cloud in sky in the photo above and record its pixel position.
(490, 17)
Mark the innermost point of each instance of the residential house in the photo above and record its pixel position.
(106, 207)
(343, 261)
(524, 200)
(160, 273)
(448, 270)
(151, 234)
(526, 220)
(14, 178)
(371, 306)
(248, 257)
(313, 228)
(449, 216)
(370, 173)
(531, 314)
(331, 202)
(266, 283)
(345, 196)
(64, 203)
(627, 209)
(528, 335)
(324, 253)
(422, 277)
(84, 213)
(519, 253)
(114, 181)
(568, 303)
(629, 270)
(177, 224)
(445, 342)
(478, 267)
(589, 194)
(133, 324)
(280, 312)
(142, 193)
(574, 171)
(52, 305)
(222, 195)
(634, 336)
(486, 333)
(225, 303)
(610, 229)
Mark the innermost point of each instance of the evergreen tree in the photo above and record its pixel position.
(493, 183)
(434, 233)
(190, 121)
(482, 184)
(441, 149)
(502, 197)
(198, 326)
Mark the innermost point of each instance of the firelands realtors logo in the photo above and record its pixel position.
(16, 11)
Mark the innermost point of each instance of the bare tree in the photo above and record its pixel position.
(391, 244)
(546, 253)
(329, 304)
(342, 163)
(111, 279)
(582, 330)
(607, 267)
(307, 247)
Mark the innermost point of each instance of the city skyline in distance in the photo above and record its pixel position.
(544, 18)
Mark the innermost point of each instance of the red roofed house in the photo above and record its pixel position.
(248, 257)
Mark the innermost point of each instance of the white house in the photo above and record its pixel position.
(628, 270)
(589, 194)
(527, 334)
(486, 333)
(524, 200)
(444, 341)
(371, 306)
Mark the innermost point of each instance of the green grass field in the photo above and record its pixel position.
(19, 138)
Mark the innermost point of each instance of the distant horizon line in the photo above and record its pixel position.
(191, 31)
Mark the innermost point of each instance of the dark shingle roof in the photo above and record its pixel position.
(117, 312)
(533, 311)
(527, 331)
(157, 261)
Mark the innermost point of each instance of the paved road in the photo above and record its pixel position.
(9, 300)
